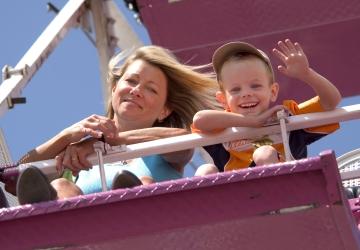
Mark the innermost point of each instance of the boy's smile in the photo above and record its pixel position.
(248, 108)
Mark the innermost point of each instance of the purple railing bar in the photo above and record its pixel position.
(159, 188)
(294, 205)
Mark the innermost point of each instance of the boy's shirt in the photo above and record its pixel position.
(238, 154)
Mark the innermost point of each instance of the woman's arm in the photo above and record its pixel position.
(145, 134)
(47, 150)
(94, 126)
(178, 159)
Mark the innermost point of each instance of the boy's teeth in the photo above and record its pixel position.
(248, 105)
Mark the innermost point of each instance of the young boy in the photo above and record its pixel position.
(247, 90)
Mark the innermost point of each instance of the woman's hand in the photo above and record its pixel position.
(74, 157)
(94, 126)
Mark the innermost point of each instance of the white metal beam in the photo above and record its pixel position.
(112, 30)
(103, 41)
(121, 30)
(5, 157)
(39, 51)
(183, 142)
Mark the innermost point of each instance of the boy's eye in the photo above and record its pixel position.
(256, 86)
(235, 90)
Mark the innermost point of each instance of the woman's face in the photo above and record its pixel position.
(139, 97)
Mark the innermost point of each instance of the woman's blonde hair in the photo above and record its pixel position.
(188, 90)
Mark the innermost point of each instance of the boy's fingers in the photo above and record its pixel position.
(282, 69)
(279, 54)
(284, 48)
(278, 107)
(290, 45)
(299, 48)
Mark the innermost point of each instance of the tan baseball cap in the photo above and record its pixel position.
(223, 52)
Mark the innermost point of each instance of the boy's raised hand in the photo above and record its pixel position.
(296, 64)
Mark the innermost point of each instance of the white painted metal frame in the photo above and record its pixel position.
(197, 140)
(5, 157)
(40, 50)
(346, 164)
(111, 28)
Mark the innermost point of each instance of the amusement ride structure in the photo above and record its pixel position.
(292, 205)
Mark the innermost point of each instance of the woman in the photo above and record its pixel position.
(152, 96)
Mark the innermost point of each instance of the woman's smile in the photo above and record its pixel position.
(131, 102)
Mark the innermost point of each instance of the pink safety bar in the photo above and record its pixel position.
(293, 205)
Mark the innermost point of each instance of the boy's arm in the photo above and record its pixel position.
(328, 93)
(297, 66)
(210, 120)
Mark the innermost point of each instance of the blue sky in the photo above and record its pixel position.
(67, 87)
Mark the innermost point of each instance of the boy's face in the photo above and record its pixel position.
(247, 88)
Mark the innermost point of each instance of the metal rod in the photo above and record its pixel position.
(284, 135)
(99, 153)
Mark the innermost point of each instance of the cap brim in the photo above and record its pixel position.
(222, 53)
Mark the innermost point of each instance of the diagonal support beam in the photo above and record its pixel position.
(67, 18)
(112, 30)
